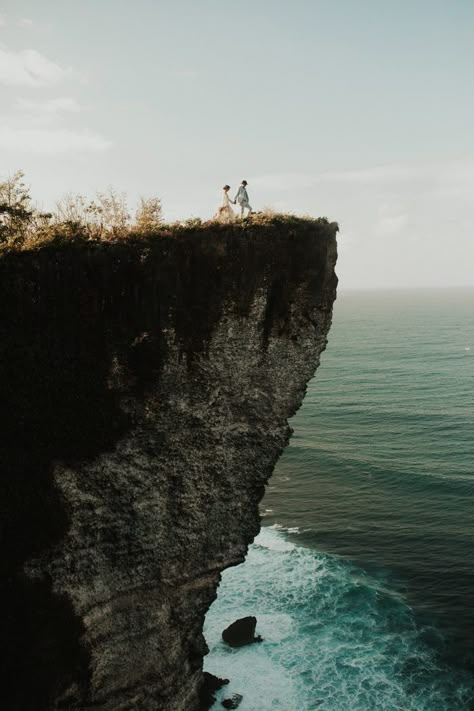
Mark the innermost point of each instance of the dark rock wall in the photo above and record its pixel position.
(145, 391)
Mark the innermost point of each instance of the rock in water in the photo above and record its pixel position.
(241, 632)
(233, 702)
(210, 685)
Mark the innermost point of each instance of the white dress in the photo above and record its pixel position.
(225, 213)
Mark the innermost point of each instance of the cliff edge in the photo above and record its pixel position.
(146, 385)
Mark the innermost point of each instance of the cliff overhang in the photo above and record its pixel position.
(146, 387)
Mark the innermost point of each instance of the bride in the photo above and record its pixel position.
(225, 213)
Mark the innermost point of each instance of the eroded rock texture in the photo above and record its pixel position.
(146, 387)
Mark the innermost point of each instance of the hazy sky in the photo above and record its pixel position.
(360, 110)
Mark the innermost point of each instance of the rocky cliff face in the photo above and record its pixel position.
(146, 387)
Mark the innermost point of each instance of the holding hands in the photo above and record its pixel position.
(225, 212)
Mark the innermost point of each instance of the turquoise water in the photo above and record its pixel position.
(362, 577)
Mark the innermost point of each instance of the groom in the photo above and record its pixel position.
(243, 199)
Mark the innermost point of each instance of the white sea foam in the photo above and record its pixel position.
(334, 638)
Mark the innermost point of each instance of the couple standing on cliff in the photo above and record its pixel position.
(225, 213)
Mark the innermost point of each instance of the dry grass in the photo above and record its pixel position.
(105, 219)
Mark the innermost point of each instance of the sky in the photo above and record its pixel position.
(358, 110)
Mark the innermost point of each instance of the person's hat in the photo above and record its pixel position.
(244, 182)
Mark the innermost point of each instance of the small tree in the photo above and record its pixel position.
(71, 208)
(16, 212)
(104, 217)
(109, 213)
(148, 215)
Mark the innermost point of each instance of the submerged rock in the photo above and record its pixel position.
(233, 702)
(241, 632)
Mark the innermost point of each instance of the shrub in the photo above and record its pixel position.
(16, 212)
(105, 217)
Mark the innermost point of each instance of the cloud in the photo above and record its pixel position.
(186, 73)
(376, 175)
(452, 173)
(379, 174)
(390, 225)
(51, 141)
(285, 181)
(25, 22)
(29, 68)
(401, 225)
(51, 106)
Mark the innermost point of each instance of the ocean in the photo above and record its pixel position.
(362, 577)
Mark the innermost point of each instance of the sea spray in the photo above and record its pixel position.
(335, 638)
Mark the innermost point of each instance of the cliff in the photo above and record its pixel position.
(146, 385)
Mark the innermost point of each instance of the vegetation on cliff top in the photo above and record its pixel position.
(105, 218)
